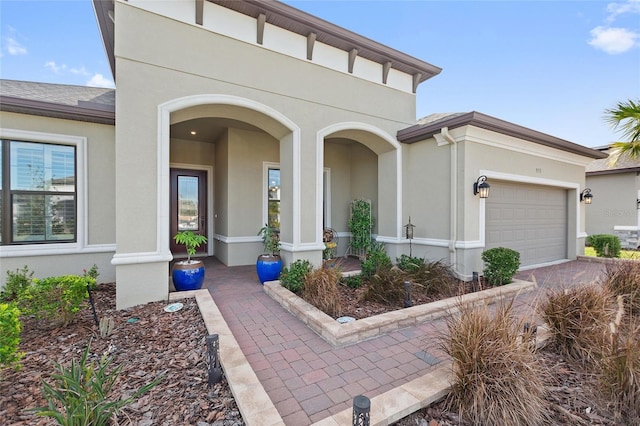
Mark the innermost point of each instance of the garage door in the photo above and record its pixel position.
(531, 219)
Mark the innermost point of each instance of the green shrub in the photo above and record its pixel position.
(79, 394)
(9, 335)
(496, 378)
(16, 282)
(409, 263)
(91, 273)
(577, 319)
(321, 290)
(606, 245)
(376, 259)
(292, 278)
(353, 281)
(500, 265)
(55, 299)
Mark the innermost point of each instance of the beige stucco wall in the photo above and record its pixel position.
(301, 99)
(613, 203)
(98, 245)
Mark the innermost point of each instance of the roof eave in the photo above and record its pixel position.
(420, 132)
(48, 109)
(613, 171)
(102, 9)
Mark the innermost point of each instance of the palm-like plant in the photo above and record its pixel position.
(625, 117)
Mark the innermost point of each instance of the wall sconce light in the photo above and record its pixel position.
(638, 201)
(586, 196)
(481, 187)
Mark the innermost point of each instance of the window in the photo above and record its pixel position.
(38, 192)
(273, 197)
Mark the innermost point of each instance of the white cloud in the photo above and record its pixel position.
(14, 47)
(79, 71)
(57, 69)
(613, 40)
(617, 9)
(98, 80)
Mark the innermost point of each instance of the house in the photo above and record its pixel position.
(232, 114)
(616, 209)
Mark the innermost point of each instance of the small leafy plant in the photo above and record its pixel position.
(270, 239)
(353, 281)
(16, 283)
(376, 259)
(500, 265)
(92, 272)
(79, 394)
(190, 240)
(10, 328)
(293, 277)
(606, 245)
(409, 263)
(55, 299)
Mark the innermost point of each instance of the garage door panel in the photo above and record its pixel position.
(530, 219)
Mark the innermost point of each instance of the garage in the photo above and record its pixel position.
(531, 219)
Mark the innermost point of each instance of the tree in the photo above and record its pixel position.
(625, 117)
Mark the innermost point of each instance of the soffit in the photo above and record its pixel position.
(420, 132)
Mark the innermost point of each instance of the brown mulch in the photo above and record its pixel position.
(147, 342)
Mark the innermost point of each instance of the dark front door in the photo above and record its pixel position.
(188, 206)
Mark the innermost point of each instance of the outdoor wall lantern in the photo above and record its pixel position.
(481, 187)
(638, 202)
(586, 196)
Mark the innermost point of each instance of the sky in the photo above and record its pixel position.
(553, 66)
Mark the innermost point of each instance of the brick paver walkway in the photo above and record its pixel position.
(307, 378)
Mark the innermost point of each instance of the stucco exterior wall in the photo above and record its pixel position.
(96, 233)
(614, 202)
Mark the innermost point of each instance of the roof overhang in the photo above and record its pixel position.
(90, 112)
(296, 21)
(424, 131)
(614, 171)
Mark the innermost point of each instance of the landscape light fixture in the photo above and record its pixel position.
(481, 187)
(408, 232)
(586, 196)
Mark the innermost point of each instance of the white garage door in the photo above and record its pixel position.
(531, 219)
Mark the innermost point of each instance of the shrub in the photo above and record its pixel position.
(387, 287)
(577, 320)
(91, 273)
(9, 335)
(409, 263)
(620, 367)
(79, 394)
(623, 279)
(321, 290)
(16, 282)
(292, 278)
(496, 378)
(606, 245)
(376, 259)
(56, 299)
(353, 281)
(500, 265)
(434, 279)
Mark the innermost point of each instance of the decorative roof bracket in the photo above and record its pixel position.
(352, 59)
(385, 71)
(416, 81)
(262, 18)
(199, 11)
(311, 40)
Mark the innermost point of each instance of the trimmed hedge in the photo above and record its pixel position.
(605, 245)
(500, 265)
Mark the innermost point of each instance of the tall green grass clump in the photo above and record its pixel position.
(79, 394)
(321, 290)
(496, 378)
(577, 320)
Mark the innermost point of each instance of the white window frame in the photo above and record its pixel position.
(80, 144)
(265, 185)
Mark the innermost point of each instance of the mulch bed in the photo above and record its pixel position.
(147, 342)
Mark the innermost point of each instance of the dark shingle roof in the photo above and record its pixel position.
(65, 101)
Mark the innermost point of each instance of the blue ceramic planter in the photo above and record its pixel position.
(188, 276)
(268, 267)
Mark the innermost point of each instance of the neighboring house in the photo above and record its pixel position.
(616, 208)
(234, 114)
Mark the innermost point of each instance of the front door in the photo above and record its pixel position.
(188, 206)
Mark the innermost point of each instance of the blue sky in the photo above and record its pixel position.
(553, 66)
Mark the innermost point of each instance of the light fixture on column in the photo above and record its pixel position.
(586, 196)
(481, 187)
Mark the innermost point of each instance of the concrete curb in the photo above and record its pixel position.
(343, 334)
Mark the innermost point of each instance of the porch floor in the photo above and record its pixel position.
(307, 378)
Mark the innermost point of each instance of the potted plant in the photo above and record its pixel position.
(269, 264)
(188, 274)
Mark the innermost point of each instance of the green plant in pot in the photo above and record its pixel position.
(188, 274)
(269, 264)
